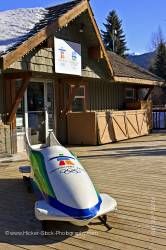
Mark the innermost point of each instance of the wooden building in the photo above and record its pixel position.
(92, 98)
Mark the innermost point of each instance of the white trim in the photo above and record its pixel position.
(46, 109)
(26, 111)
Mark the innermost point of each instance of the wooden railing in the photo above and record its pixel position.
(121, 125)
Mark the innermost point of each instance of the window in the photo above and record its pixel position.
(79, 101)
(130, 93)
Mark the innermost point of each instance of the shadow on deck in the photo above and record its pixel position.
(18, 224)
(122, 152)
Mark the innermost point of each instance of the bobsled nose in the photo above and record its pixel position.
(108, 204)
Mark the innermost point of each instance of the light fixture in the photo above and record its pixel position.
(82, 26)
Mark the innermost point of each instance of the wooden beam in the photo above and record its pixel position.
(42, 35)
(13, 97)
(13, 122)
(148, 93)
(1, 63)
(132, 80)
(17, 75)
(99, 38)
(50, 42)
(18, 99)
(70, 99)
(7, 97)
(71, 80)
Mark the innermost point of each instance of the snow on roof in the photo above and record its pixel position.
(16, 25)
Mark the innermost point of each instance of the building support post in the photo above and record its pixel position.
(148, 93)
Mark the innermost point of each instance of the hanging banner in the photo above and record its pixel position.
(67, 57)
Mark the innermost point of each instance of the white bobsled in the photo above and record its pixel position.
(66, 191)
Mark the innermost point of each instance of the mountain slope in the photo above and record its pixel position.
(143, 60)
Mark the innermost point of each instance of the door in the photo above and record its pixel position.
(36, 113)
(39, 111)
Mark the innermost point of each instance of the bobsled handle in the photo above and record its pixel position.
(27, 142)
(53, 139)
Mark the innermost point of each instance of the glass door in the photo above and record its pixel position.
(39, 111)
(36, 118)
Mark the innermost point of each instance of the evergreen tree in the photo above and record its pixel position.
(113, 37)
(159, 64)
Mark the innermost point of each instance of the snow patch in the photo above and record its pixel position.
(15, 25)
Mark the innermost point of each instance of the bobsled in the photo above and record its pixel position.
(65, 190)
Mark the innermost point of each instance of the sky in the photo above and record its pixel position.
(140, 19)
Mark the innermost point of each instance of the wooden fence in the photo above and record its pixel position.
(121, 125)
(92, 128)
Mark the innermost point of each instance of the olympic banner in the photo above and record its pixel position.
(67, 57)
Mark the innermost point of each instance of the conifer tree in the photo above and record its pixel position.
(113, 37)
(159, 63)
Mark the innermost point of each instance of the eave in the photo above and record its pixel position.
(132, 80)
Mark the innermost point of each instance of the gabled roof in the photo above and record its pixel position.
(16, 26)
(126, 71)
(22, 30)
(39, 24)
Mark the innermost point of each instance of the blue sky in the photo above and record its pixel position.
(140, 18)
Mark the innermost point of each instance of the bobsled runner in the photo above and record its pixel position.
(66, 193)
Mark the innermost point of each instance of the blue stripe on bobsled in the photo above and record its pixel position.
(80, 214)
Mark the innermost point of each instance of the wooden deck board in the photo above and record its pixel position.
(133, 172)
(4, 246)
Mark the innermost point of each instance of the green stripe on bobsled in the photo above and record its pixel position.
(40, 173)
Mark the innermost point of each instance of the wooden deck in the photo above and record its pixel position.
(133, 172)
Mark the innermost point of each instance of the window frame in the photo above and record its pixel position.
(128, 97)
(82, 97)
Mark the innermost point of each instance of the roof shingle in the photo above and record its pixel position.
(16, 26)
(124, 68)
